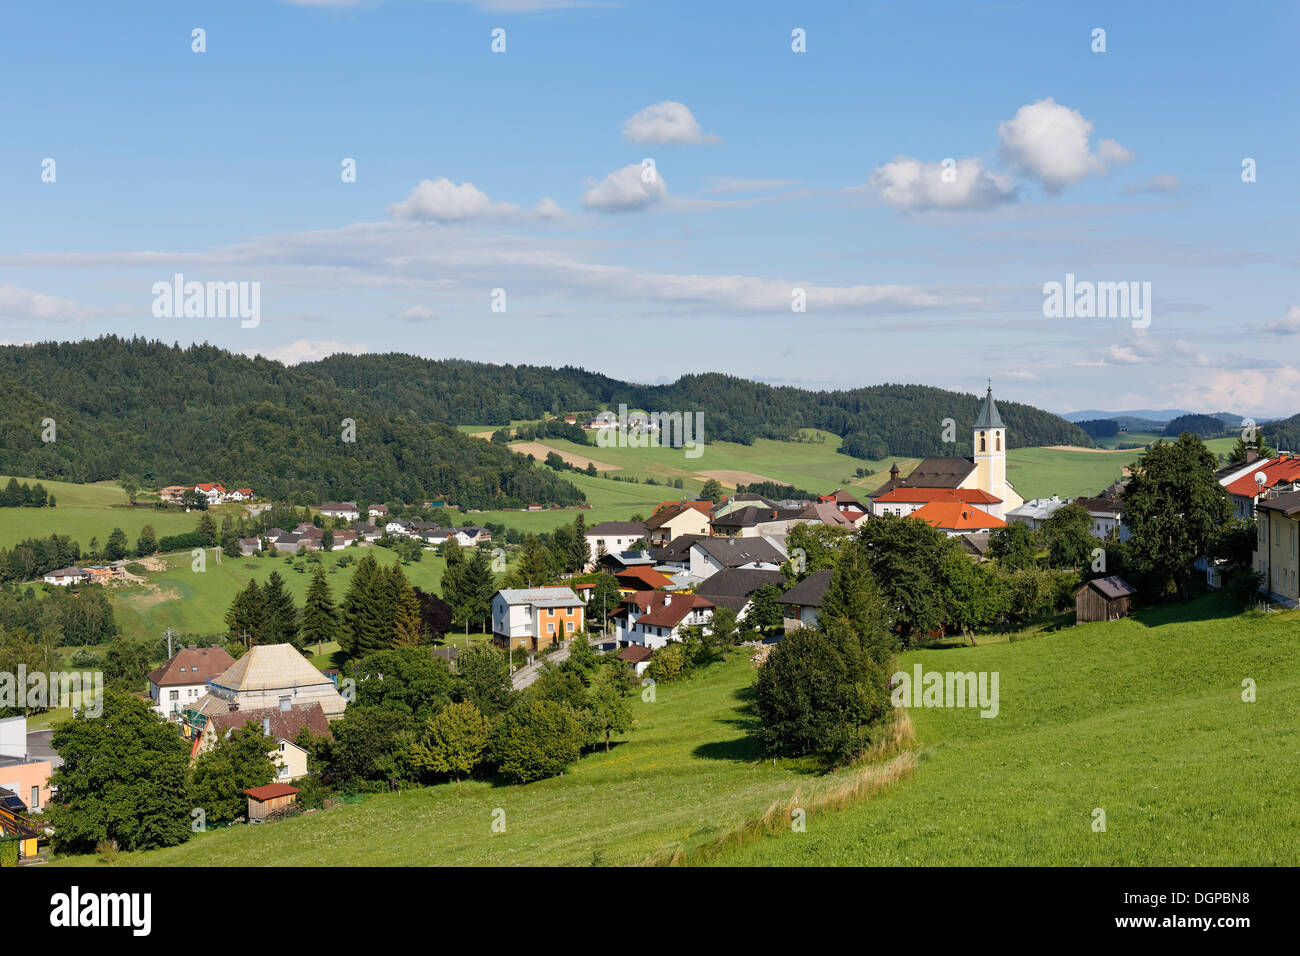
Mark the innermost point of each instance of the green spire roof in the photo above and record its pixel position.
(988, 416)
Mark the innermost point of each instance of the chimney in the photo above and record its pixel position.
(1251, 454)
(194, 647)
(668, 599)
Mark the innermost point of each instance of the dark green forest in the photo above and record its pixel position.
(173, 415)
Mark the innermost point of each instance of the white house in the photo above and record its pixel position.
(376, 512)
(613, 537)
(653, 619)
(183, 680)
(66, 576)
(1036, 511)
(710, 555)
(347, 510)
(533, 618)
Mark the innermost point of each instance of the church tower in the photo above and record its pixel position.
(990, 444)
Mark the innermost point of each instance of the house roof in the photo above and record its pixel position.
(382, 509)
(977, 542)
(629, 558)
(1277, 471)
(751, 515)
(842, 497)
(212, 486)
(931, 473)
(956, 516)
(192, 665)
(1100, 506)
(541, 597)
(734, 552)
(904, 494)
(826, 512)
(1110, 587)
(643, 574)
(270, 667)
(678, 549)
(271, 791)
(669, 510)
(1039, 508)
(808, 592)
(65, 572)
(988, 416)
(634, 528)
(285, 724)
(731, 587)
(635, 653)
(339, 506)
(668, 610)
(1288, 504)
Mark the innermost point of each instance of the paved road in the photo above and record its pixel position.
(529, 673)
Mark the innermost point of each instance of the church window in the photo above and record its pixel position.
(997, 442)
(982, 442)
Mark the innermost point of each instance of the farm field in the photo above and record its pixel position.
(685, 771)
(91, 511)
(1142, 718)
(1043, 472)
(196, 603)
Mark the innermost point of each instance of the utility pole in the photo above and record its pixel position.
(169, 643)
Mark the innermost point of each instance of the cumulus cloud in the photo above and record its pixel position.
(1144, 349)
(629, 189)
(1289, 324)
(910, 185)
(306, 350)
(1049, 142)
(17, 303)
(666, 124)
(441, 200)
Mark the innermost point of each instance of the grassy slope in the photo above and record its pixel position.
(89, 511)
(1042, 472)
(1143, 718)
(195, 602)
(685, 771)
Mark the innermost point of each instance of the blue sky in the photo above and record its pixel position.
(775, 170)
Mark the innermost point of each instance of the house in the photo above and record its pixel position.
(65, 576)
(347, 510)
(612, 536)
(829, 513)
(638, 656)
(743, 500)
(249, 546)
(1282, 474)
(274, 534)
(733, 587)
(101, 574)
(213, 491)
(1103, 599)
(1107, 516)
(471, 536)
(677, 552)
(1277, 527)
(656, 618)
(240, 494)
(182, 680)
(342, 538)
(265, 802)
(292, 542)
(845, 502)
(24, 771)
(803, 602)
(755, 522)
(674, 518)
(710, 555)
(533, 618)
(399, 527)
(618, 561)
(987, 470)
(1036, 511)
(377, 512)
(367, 531)
(956, 517)
(273, 675)
(173, 493)
(640, 577)
(281, 725)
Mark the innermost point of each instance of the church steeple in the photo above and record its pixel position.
(988, 416)
(989, 441)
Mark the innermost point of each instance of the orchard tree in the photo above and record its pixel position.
(454, 741)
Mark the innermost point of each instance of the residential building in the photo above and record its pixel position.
(347, 510)
(23, 771)
(65, 576)
(1277, 527)
(803, 602)
(734, 587)
(213, 491)
(1107, 516)
(755, 522)
(654, 619)
(533, 618)
(1282, 474)
(173, 493)
(710, 555)
(249, 546)
(674, 518)
(281, 725)
(181, 681)
(377, 513)
(612, 537)
(1035, 512)
(274, 675)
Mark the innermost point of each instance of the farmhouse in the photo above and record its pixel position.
(1103, 599)
(181, 681)
(533, 618)
(66, 576)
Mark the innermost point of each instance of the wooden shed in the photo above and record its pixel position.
(1103, 599)
(266, 801)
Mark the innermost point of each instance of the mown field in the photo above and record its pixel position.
(1142, 718)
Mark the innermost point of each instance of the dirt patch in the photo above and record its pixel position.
(151, 595)
(540, 451)
(734, 478)
(152, 564)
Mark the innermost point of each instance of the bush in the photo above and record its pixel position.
(538, 739)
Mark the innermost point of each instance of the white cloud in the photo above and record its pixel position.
(910, 185)
(1144, 349)
(418, 313)
(666, 124)
(1165, 184)
(1289, 324)
(306, 350)
(729, 185)
(628, 189)
(1268, 391)
(1049, 143)
(17, 303)
(442, 200)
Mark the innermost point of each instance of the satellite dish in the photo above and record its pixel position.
(1260, 478)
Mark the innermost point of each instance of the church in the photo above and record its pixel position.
(963, 494)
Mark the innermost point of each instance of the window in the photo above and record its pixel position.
(568, 626)
(997, 442)
(174, 695)
(550, 628)
(36, 798)
(983, 443)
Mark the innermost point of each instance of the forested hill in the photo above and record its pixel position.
(173, 415)
(875, 421)
(181, 415)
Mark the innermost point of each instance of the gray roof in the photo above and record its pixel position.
(931, 473)
(541, 597)
(731, 587)
(988, 416)
(808, 592)
(1038, 508)
(1111, 587)
(733, 552)
(617, 527)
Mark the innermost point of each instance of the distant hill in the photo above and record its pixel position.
(172, 415)
(1151, 419)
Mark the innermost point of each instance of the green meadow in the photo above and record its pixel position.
(1141, 718)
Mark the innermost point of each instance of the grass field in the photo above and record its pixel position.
(196, 603)
(1142, 718)
(91, 511)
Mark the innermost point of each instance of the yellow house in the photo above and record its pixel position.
(281, 725)
(1277, 522)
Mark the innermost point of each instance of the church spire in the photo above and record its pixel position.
(988, 416)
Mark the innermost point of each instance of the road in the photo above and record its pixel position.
(530, 672)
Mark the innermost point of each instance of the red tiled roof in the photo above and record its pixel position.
(271, 791)
(669, 613)
(956, 516)
(1278, 470)
(192, 666)
(644, 574)
(635, 653)
(910, 495)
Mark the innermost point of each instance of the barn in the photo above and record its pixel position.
(1103, 599)
(267, 800)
